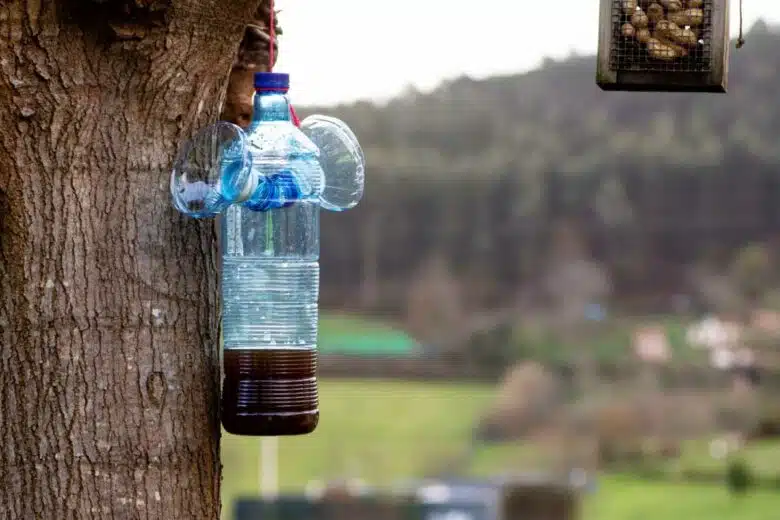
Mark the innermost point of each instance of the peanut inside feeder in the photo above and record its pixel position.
(665, 31)
(663, 45)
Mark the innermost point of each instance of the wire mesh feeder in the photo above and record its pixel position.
(663, 45)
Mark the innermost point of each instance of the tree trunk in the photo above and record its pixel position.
(109, 368)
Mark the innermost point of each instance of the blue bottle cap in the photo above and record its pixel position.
(272, 81)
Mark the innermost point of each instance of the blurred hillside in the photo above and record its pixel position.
(556, 118)
(565, 243)
(482, 186)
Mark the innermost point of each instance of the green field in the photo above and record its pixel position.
(763, 458)
(352, 335)
(380, 431)
(624, 498)
(383, 431)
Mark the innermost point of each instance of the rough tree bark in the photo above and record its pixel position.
(109, 369)
(253, 56)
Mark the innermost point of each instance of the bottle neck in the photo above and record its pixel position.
(270, 105)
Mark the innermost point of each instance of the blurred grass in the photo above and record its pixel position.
(763, 459)
(379, 431)
(349, 334)
(383, 431)
(338, 324)
(625, 498)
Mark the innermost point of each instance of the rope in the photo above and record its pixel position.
(294, 116)
(740, 38)
(272, 33)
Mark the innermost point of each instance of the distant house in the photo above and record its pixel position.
(713, 333)
(651, 344)
(724, 341)
(767, 321)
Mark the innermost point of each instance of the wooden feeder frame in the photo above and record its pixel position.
(710, 73)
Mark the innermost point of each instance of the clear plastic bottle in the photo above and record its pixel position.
(269, 184)
(270, 277)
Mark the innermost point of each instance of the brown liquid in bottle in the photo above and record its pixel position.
(270, 392)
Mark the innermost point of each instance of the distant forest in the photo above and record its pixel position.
(479, 174)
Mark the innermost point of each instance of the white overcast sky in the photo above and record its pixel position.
(344, 50)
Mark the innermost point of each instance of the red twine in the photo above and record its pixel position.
(294, 116)
(272, 32)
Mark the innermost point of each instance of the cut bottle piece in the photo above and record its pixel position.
(212, 171)
(341, 159)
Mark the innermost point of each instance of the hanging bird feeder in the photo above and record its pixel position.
(663, 45)
(268, 184)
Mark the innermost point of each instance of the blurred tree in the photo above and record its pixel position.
(652, 181)
(753, 271)
(434, 309)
